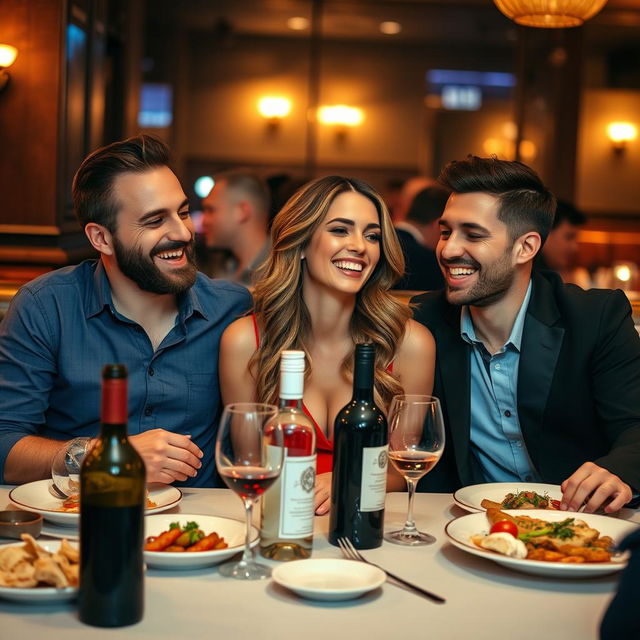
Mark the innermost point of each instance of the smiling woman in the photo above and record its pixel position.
(324, 288)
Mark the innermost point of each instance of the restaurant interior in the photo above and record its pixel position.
(382, 90)
(293, 89)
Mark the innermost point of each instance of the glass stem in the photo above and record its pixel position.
(410, 525)
(247, 554)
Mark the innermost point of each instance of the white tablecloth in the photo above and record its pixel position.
(483, 599)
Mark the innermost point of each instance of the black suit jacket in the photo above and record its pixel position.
(422, 272)
(578, 383)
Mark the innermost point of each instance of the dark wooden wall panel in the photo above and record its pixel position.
(30, 113)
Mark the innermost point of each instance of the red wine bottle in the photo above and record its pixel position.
(112, 502)
(360, 448)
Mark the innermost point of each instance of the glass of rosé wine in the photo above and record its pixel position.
(416, 442)
(249, 455)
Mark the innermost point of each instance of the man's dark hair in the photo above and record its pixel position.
(428, 205)
(566, 211)
(525, 204)
(92, 189)
(250, 184)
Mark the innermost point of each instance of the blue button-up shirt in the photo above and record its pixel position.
(62, 327)
(496, 437)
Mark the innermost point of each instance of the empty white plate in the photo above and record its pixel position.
(328, 579)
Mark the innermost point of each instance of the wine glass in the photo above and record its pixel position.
(66, 465)
(416, 442)
(249, 455)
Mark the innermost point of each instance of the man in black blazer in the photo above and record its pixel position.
(538, 380)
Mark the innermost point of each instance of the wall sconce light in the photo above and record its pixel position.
(620, 134)
(8, 55)
(341, 117)
(274, 109)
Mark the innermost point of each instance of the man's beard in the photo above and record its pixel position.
(143, 271)
(492, 285)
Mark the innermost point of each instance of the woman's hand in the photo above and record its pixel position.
(323, 494)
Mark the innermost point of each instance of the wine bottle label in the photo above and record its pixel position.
(373, 484)
(297, 486)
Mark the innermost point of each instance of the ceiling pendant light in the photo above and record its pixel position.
(552, 14)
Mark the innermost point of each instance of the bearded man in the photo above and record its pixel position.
(539, 381)
(142, 303)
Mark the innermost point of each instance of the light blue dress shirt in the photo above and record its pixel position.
(496, 437)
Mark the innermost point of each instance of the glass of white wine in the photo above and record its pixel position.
(249, 455)
(416, 442)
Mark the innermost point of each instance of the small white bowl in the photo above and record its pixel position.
(328, 579)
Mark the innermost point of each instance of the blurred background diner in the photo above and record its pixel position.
(387, 91)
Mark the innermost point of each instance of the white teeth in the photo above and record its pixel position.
(168, 255)
(461, 271)
(350, 266)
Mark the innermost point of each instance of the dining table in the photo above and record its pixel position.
(483, 600)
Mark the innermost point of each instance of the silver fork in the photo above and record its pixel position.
(351, 553)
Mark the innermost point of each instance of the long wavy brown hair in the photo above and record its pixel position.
(280, 309)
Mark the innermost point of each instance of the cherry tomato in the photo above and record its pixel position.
(505, 526)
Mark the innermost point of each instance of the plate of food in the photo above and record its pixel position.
(543, 542)
(36, 496)
(190, 541)
(39, 572)
(508, 495)
(328, 579)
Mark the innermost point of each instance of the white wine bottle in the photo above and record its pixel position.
(286, 524)
(360, 457)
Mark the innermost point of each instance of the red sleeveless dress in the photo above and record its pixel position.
(324, 447)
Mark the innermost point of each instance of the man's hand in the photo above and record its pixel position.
(167, 456)
(323, 494)
(595, 486)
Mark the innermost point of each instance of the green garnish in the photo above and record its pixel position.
(188, 528)
(560, 530)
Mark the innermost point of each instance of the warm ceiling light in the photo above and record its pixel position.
(341, 114)
(552, 14)
(390, 28)
(622, 272)
(298, 23)
(620, 133)
(8, 55)
(274, 107)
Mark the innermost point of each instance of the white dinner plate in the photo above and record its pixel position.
(39, 594)
(460, 530)
(233, 531)
(35, 496)
(470, 497)
(328, 579)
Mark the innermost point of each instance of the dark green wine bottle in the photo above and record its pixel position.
(360, 447)
(112, 503)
